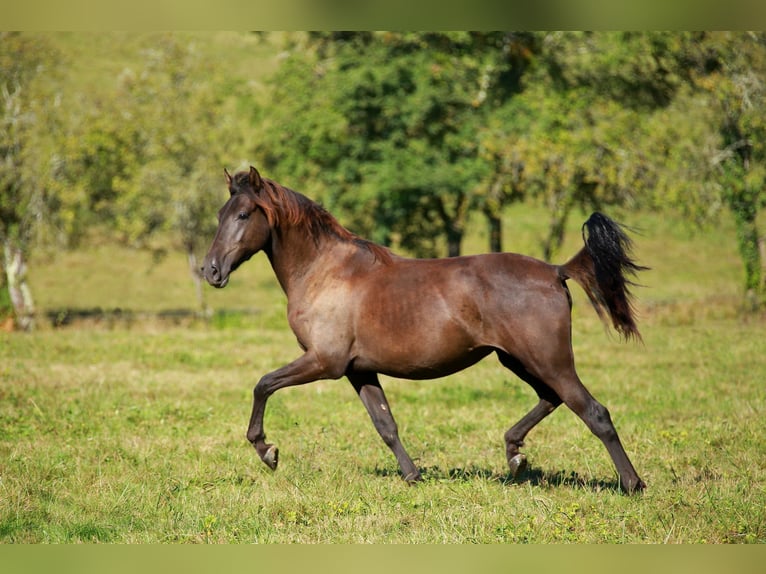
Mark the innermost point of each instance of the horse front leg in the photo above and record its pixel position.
(305, 369)
(371, 393)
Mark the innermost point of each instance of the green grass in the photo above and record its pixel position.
(134, 432)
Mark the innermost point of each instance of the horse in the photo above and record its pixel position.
(359, 310)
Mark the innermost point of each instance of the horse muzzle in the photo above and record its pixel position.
(212, 273)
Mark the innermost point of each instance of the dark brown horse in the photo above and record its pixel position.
(359, 310)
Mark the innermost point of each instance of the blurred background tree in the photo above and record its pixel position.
(708, 144)
(386, 125)
(150, 154)
(575, 136)
(731, 70)
(183, 133)
(27, 66)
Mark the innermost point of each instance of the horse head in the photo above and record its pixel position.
(243, 228)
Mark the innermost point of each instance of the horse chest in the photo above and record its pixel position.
(325, 313)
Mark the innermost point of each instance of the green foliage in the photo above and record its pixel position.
(400, 111)
(642, 70)
(143, 159)
(23, 202)
(575, 135)
(154, 170)
(723, 157)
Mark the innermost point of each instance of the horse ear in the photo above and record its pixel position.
(228, 178)
(255, 179)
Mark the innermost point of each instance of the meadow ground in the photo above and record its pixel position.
(118, 430)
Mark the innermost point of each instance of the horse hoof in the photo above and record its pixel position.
(517, 464)
(412, 478)
(634, 488)
(271, 457)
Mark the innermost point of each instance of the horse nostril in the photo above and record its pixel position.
(210, 270)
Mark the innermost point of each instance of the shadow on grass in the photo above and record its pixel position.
(532, 476)
(118, 317)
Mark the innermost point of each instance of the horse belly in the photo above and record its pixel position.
(417, 338)
(418, 362)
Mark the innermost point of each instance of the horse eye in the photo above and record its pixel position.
(243, 215)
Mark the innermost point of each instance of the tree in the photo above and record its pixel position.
(386, 124)
(575, 135)
(709, 142)
(148, 156)
(24, 200)
(181, 153)
(737, 88)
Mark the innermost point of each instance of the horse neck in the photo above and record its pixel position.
(294, 255)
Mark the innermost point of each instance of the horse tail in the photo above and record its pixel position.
(601, 268)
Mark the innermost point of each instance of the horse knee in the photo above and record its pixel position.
(391, 439)
(261, 390)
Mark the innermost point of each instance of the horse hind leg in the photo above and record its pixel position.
(514, 436)
(597, 419)
(563, 385)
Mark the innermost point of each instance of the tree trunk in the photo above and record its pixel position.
(453, 225)
(560, 209)
(762, 251)
(750, 253)
(454, 239)
(18, 289)
(495, 225)
(492, 209)
(745, 214)
(196, 274)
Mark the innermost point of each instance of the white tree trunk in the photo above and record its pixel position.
(21, 295)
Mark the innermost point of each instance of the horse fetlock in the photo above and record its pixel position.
(512, 448)
(511, 441)
(257, 439)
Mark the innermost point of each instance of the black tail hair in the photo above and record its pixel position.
(602, 268)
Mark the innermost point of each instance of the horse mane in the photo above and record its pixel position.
(284, 207)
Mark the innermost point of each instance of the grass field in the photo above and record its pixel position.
(133, 431)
